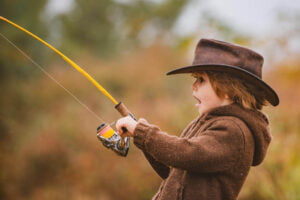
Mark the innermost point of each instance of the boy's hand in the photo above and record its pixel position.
(128, 123)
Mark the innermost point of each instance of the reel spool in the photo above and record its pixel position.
(112, 140)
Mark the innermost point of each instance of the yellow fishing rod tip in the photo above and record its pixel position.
(68, 60)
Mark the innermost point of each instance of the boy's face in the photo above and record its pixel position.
(205, 94)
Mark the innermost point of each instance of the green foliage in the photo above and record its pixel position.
(18, 11)
(104, 27)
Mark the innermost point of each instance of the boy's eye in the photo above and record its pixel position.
(200, 79)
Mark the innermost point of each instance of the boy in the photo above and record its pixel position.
(213, 155)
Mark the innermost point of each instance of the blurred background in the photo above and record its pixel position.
(48, 144)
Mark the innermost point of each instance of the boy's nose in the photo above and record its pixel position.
(194, 86)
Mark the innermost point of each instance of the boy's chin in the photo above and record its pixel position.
(202, 110)
(199, 109)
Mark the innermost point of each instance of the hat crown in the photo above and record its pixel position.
(210, 52)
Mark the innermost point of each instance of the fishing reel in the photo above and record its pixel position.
(112, 140)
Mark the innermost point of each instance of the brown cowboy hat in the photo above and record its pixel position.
(214, 55)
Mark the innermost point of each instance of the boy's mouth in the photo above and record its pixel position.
(199, 102)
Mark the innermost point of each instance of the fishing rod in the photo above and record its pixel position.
(109, 138)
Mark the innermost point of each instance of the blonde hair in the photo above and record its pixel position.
(239, 91)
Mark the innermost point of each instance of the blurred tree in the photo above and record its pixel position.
(14, 70)
(17, 11)
(104, 27)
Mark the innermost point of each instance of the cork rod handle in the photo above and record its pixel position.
(123, 110)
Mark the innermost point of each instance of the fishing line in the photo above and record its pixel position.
(52, 78)
(68, 60)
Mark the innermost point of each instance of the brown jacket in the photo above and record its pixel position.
(211, 158)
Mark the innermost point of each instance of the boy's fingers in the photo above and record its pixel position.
(120, 125)
(120, 131)
(143, 120)
(125, 126)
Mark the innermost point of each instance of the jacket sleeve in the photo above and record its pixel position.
(161, 169)
(218, 148)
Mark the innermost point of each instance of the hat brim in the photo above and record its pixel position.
(271, 95)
